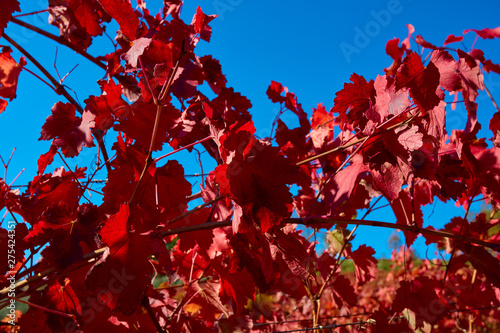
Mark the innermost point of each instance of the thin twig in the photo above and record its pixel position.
(159, 109)
(40, 78)
(149, 310)
(355, 142)
(184, 147)
(68, 315)
(491, 97)
(83, 53)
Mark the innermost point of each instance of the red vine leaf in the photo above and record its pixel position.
(274, 92)
(420, 297)
(452, 39)
(365, 265)
(200, 23)
(78, 20)
(422, 81)
(7, 7)
(70, 133)
(124, 14)
(356, 98)
(124, 263)
(9, 75)
(486, 33)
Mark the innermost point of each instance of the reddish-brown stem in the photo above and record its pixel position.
(338, 220)
(339, 262)
(311, 221)
(162, 95)
(355, 142)
(323, 185)
(149, 310)
(87, 258)
(69, 169)
(40, 78)
(182, 148)
(469, 203)
(60, 90)
(15, 178)
(155, 100)
(195, 209)
(491, 97)
(32, 13)
(69, 315)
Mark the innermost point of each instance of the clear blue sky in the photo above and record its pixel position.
(296, 44)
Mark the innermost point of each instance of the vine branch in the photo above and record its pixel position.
(60, 90)
(83, 53)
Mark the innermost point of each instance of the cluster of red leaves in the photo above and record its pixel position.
(255, 266)
(407, 294)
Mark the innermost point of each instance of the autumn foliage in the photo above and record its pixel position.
(159, 255)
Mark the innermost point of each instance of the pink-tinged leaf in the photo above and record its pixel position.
(207, 297)
(292, 249)
(123, 13)
(452, 39)
(411, 138)
(172, 7)
(418, 296)
(365, 265)
(436, 121)
(406, 41)
(70, 133)
(449, 77)
(344, 183)
(399, 102)
(486, 33)
(136, 50)
(343, 292)
(382, 98)
(7, 7)
(388, 180)
(470, 74)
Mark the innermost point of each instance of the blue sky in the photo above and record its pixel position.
(302, 46)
